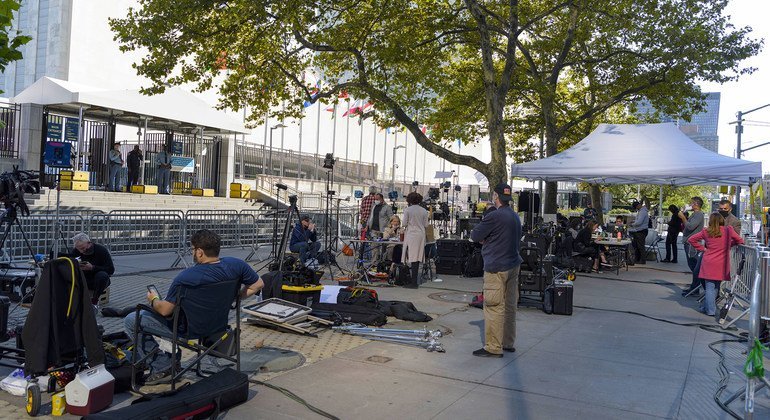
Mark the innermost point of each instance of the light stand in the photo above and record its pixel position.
(328, 252)
(278, 188)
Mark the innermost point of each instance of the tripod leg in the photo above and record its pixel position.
(26, 241)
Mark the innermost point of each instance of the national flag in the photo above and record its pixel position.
(344, 95)
(314, 92)
(354, 110)
(333, 110)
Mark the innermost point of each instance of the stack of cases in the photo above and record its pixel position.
(74, 180)
(452, 256)
(238, 190)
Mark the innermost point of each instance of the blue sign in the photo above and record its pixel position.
(176, 147)
(182, 164)
(54, 130)
(57, 154)
(71, 129)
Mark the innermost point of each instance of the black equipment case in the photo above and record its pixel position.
(17, 283)
(558, 299)
(202, 399)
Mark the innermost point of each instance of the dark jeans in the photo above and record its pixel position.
(97, 283)
(671, 249)
(638, 242)
(133, 177)
(306, 250)
(695, 267)
(150, 323)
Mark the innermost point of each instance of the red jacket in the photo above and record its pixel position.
(716, 259)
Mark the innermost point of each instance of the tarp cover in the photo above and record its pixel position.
(640, 154)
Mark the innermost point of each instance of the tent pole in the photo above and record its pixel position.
(660, 206)
(751, 210)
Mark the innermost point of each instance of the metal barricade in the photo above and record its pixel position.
(267, 223)
(35, 234)
(226, 223)
(140, 232)
(743, 264)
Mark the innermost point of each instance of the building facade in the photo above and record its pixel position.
(702, 128)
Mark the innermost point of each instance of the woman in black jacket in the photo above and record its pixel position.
(585, 246)
(674, 227)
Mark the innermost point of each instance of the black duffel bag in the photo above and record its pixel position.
(205, 398)
(341, 312)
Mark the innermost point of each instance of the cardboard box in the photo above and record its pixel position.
(144, 189)
(202, 192)
(74, 185)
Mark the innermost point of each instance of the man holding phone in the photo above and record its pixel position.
(96, 263)
(304, 240)
(209, 268)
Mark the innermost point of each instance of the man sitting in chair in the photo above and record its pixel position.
(96, 263)
(304, 240)
(209, 268)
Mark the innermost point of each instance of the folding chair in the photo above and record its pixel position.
(654, 248)
(201, 324)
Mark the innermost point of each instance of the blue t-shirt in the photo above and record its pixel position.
(500, 231)
(227, 269)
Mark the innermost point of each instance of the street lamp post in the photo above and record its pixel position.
(393, 172)
(739, 151)
(270, 153)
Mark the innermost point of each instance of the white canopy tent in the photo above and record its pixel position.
(640, 154)
(174, 106)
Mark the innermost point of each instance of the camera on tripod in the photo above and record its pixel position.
(13, 186)
(393, 195)
(293, 200)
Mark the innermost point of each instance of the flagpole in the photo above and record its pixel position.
(374, 145)
(317, 139)
(299, 149)
(334, 130)
(414, 176)
(406, 150)
(347, 139)
(264, 142)
(384, 155)
(283, 135)
(360, 146)
(425, 160)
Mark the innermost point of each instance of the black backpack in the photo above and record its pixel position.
(402, 275)
(475, 265)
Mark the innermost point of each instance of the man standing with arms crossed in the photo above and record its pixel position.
(692, 226)
(163, 160)
(499, 233)
(115, 163)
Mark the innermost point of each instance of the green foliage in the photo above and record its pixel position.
(10, 41)
(505, 72)
(623, 195)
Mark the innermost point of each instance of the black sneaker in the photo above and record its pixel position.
(484, 353)
(510, 349)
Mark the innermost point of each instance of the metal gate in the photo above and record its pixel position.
(204, 151)
(98, 137)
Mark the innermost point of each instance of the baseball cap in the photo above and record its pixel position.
(503, 191)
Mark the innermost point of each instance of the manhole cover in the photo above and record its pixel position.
(456, 297)
(379, 359)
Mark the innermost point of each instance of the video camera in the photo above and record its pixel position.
(13, 186)
(393, 195)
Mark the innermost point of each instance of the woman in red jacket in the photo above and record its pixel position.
(715, 265)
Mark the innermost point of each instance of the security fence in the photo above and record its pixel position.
(129, 232)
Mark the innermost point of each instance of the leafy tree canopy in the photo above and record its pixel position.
(497, 71)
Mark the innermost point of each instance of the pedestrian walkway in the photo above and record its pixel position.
(600, 363)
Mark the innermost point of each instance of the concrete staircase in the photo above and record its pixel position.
(107, 201)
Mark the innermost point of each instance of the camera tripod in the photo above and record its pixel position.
(280, 249)
(329, 253)
(9, 219)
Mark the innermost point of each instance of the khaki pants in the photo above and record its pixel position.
(501, 295)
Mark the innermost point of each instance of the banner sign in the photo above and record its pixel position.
(71, 129)
(176, 147)
(182, 164)
(54, 130)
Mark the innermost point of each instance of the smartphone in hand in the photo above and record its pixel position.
(154, 290)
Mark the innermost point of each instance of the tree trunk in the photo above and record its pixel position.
(551, 142)
(595, 192)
